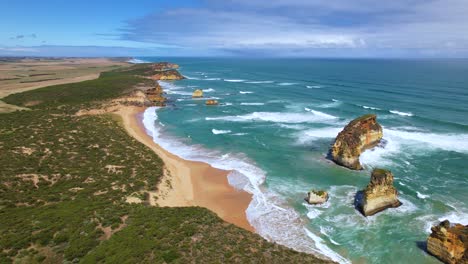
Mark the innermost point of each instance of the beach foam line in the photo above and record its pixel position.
(266, 212)
(325, 249)
(276, 117)
(400, 113)
(218, 132)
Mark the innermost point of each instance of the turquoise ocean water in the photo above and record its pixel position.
(276, 122)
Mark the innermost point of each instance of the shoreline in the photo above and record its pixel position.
(189, 183)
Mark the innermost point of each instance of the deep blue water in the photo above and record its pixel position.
(276, 122)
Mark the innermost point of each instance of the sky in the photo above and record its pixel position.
(243, 28)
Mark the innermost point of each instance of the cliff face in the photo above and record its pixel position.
(360, 134)
(449, 243)
(155, 95)
(167, 75)
(162, 66)
(379, 193)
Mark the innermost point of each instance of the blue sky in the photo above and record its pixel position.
(270, 28)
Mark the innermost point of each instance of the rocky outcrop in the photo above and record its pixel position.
(379, 194)
(167, 75)
(197, 93)
(449, 243)
(162, 66)
(155, 95)
(316, 197)
(211, 102)
(360, 134)
(135, 98)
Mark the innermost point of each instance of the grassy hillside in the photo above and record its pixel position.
(64, 182)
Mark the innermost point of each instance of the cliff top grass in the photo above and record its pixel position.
(65, 180)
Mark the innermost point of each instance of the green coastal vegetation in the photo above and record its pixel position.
(65, 179)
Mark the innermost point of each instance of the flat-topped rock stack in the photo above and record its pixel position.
(316, 197)
(449, 242)
(197, 93)
(379, 194)
(360, 134)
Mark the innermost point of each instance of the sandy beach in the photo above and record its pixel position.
(190, 183)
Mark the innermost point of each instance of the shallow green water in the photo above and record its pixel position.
(277, 120)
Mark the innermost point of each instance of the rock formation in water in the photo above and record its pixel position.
(360, 134)
(316, 197)
(155, 95)
(211, 102)
(379, 194)
(197, 93)
(449, 242)
(167, 75)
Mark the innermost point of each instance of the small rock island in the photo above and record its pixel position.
(360, 134)
(379, 194)
(197, 93)
(316, 197)
(449, 242)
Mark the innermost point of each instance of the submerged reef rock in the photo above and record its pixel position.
(155, 95)
(379, 194)
(162, 66)
(167, 75)
(449, 242)
(360, 134)
(316, 197)
(211, 102)
(197, 93)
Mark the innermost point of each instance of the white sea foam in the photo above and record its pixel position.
(259, 82)
(277, 117)
(209, 90)
(286, 84)
(246, 92)
(370, 107)
(136, 61)
(239, 134)
(400, 113)
(313, 86)
(318, 113)
(252, 103)
(324, 231)
(335, 103)
(320, 244)
(234, 80)
(422, 196)
(217, 132)
(453, 217)
(227, 104)
(265, 210)
(311, 135)
(404, 141)
(212, 79)
(191, 77)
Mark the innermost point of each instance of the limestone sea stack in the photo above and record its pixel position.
(449, 242)
(379, 194)
(316, 197)
(197, 93)
(360, 134)
(211, 102)
(167, 75)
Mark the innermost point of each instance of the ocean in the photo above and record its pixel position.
(274, 126)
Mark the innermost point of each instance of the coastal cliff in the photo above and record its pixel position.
(155, 95)
(167, 75)
(360, 134)
(449, 243)
(162, 66)
(379, 194)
